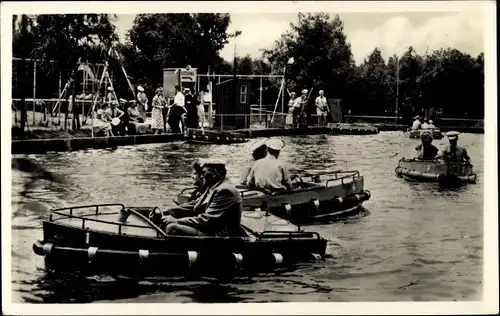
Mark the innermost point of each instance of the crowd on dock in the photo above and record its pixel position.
(116, 117)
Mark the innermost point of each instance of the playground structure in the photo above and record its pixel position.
(92, 82)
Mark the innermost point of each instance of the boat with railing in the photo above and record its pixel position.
(207, 136)
(326, 197)
(438, 170)
(415, 133)
(113, 238)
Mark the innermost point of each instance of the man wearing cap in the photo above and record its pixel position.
(217, 212)
(142, 100)
(453, 152)
(425, 150)
(115, 114)
(416, 124)
(270, 173)
(259, 151)
(321, 108)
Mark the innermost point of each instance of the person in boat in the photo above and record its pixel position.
(192, 109)
(270, 173)
(425, 150)
(431, 125)
(217, 212)
(158, 105)
(453, 152)
(425, 124)
(416, 124)
(321, 108)
(142, 100)
(259, 151)
(198, 182)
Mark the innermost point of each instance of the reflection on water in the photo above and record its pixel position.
(419, 242)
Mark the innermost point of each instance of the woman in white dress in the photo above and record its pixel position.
(102, 121)
(158, 105)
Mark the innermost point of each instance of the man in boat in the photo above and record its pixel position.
(425, 150)
(453, 152)
(259, 151)
(217, 212)
(431, 125)
(416, 124)
(425, 125)
(270, 173)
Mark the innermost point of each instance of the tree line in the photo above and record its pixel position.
(446, 81)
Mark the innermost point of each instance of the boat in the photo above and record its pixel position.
(446, 173)
(328, 196)
(415, 133)
(352, 129)
(202, 136)
(128, 241)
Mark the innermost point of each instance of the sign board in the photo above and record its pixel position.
(188, 75)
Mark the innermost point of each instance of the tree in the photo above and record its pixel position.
(158, 41)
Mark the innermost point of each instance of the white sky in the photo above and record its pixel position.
(391, 32)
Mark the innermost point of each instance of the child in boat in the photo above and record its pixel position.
(219, 207)
(425, 150)
(453, 152)
(259, 151)
(270, 173)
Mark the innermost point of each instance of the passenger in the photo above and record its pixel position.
(425, 150)
(431, 125)
(425, 125)
(198, 182)
(259, 151)
(219, 207)
(416, 124)
(453, 152)
(270, 173)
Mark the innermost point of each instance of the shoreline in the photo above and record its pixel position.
(44, 141)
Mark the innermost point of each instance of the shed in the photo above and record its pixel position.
(232, 100)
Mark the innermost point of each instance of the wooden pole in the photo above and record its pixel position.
(397, 89)
(260, 101)
(34, 91)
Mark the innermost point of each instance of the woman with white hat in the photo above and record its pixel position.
(142, 100)
(258, 150)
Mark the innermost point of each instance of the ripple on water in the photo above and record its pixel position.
(417, 243)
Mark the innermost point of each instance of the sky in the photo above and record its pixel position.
(391, 32)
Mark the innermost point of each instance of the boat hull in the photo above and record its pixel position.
(435, 171)
(199, 136)
(436, 133)
(100, 243)
(308, 202)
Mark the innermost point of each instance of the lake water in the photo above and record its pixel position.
(419, 242)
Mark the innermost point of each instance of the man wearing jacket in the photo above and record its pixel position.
(217, 212)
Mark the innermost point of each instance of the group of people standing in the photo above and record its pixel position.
(183, 112)
(297, 117)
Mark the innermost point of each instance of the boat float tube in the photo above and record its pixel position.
(199, 136)
(415, 133)
(326, 197)
(112, 238)
(435, 171)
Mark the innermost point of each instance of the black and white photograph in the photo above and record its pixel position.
(282, 153)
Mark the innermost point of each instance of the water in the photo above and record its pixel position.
(419, 242)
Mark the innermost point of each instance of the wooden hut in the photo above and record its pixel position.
(232, 103)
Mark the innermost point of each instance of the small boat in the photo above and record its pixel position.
(326, 197)
(201, 136)
(445, 173)
(112, 238)
(352, 129)
(415, 133)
